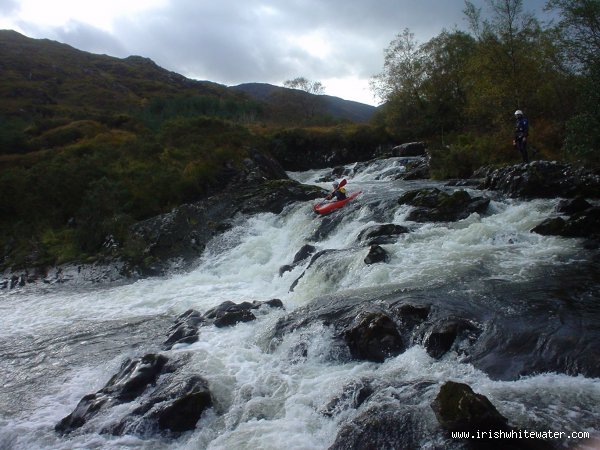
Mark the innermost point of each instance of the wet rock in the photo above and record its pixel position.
(572, 206)
(434, 205)
(273, 303)
(544, 179)
(182, 234)
(376, 255)
(443, 335)
(417, 171)
(285, 268)
(129, 383)
(545, 324)
(186, 327)
(459, 409)
(233, 317)
(229, 313)
(176, 407)
(410, 149)
(585, 224)
(382, 231)
(390, 419)
(411, 316)
(168, 400)
(312, 261)
(374, 338)
(299, 257)
(304, 253)
(382, 427)
(352, 396)
(185, 330)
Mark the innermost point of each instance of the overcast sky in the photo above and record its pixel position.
(337, 42)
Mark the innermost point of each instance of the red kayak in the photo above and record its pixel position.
(326, 208)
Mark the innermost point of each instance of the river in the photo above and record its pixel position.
(60, 342)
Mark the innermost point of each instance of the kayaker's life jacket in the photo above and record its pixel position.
(340, 193)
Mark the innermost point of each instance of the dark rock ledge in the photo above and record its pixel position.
(166, 398)
(542, 179)
(167, 401)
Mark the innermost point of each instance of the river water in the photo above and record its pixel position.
(59, 343)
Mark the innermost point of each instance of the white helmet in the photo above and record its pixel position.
(518, 112)
(335, 184)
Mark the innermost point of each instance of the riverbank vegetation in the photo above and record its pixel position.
(460, 89)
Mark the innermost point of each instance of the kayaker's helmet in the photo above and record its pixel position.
(336, 184)
(518, 113)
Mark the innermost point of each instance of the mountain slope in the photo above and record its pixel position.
(44, 77)
(333, 106)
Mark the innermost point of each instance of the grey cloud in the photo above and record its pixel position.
(91, 39)
(236, 41)
(7, 7)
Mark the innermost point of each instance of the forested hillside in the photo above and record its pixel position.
(91, 144)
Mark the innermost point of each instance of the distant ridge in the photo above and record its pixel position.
(41, 76)
(334, 106)
(46, 78)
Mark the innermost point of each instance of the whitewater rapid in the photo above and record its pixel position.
(59, 344)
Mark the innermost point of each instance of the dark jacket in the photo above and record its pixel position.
(339, 194)
(521, 127)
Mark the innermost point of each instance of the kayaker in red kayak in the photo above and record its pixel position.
(341, 198)
(339, 192)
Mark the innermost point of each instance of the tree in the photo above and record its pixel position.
(445, 86)
(424, 86)
(579, 27)
(402, 68)
(304, 96)
(399, 85)
(312, 87)
(506, 55)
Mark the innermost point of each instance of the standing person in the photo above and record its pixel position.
(521, 133)
(339, 191)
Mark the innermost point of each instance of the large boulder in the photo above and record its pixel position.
(444, 334)
(584, 224)
(543, 179)
(459, 409)
(521, 339)
(410, 149)
(435, 205)
(392, 416)
(382, 234)
(376, 254)
(167, 401)
(374, 337)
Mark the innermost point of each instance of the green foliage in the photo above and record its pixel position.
(301, 148)
(160, 109)
(304, 84)
(470, 152)
(583, 138)
(13, 138)
(580, 37)
(460, 84)
(101, 180)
